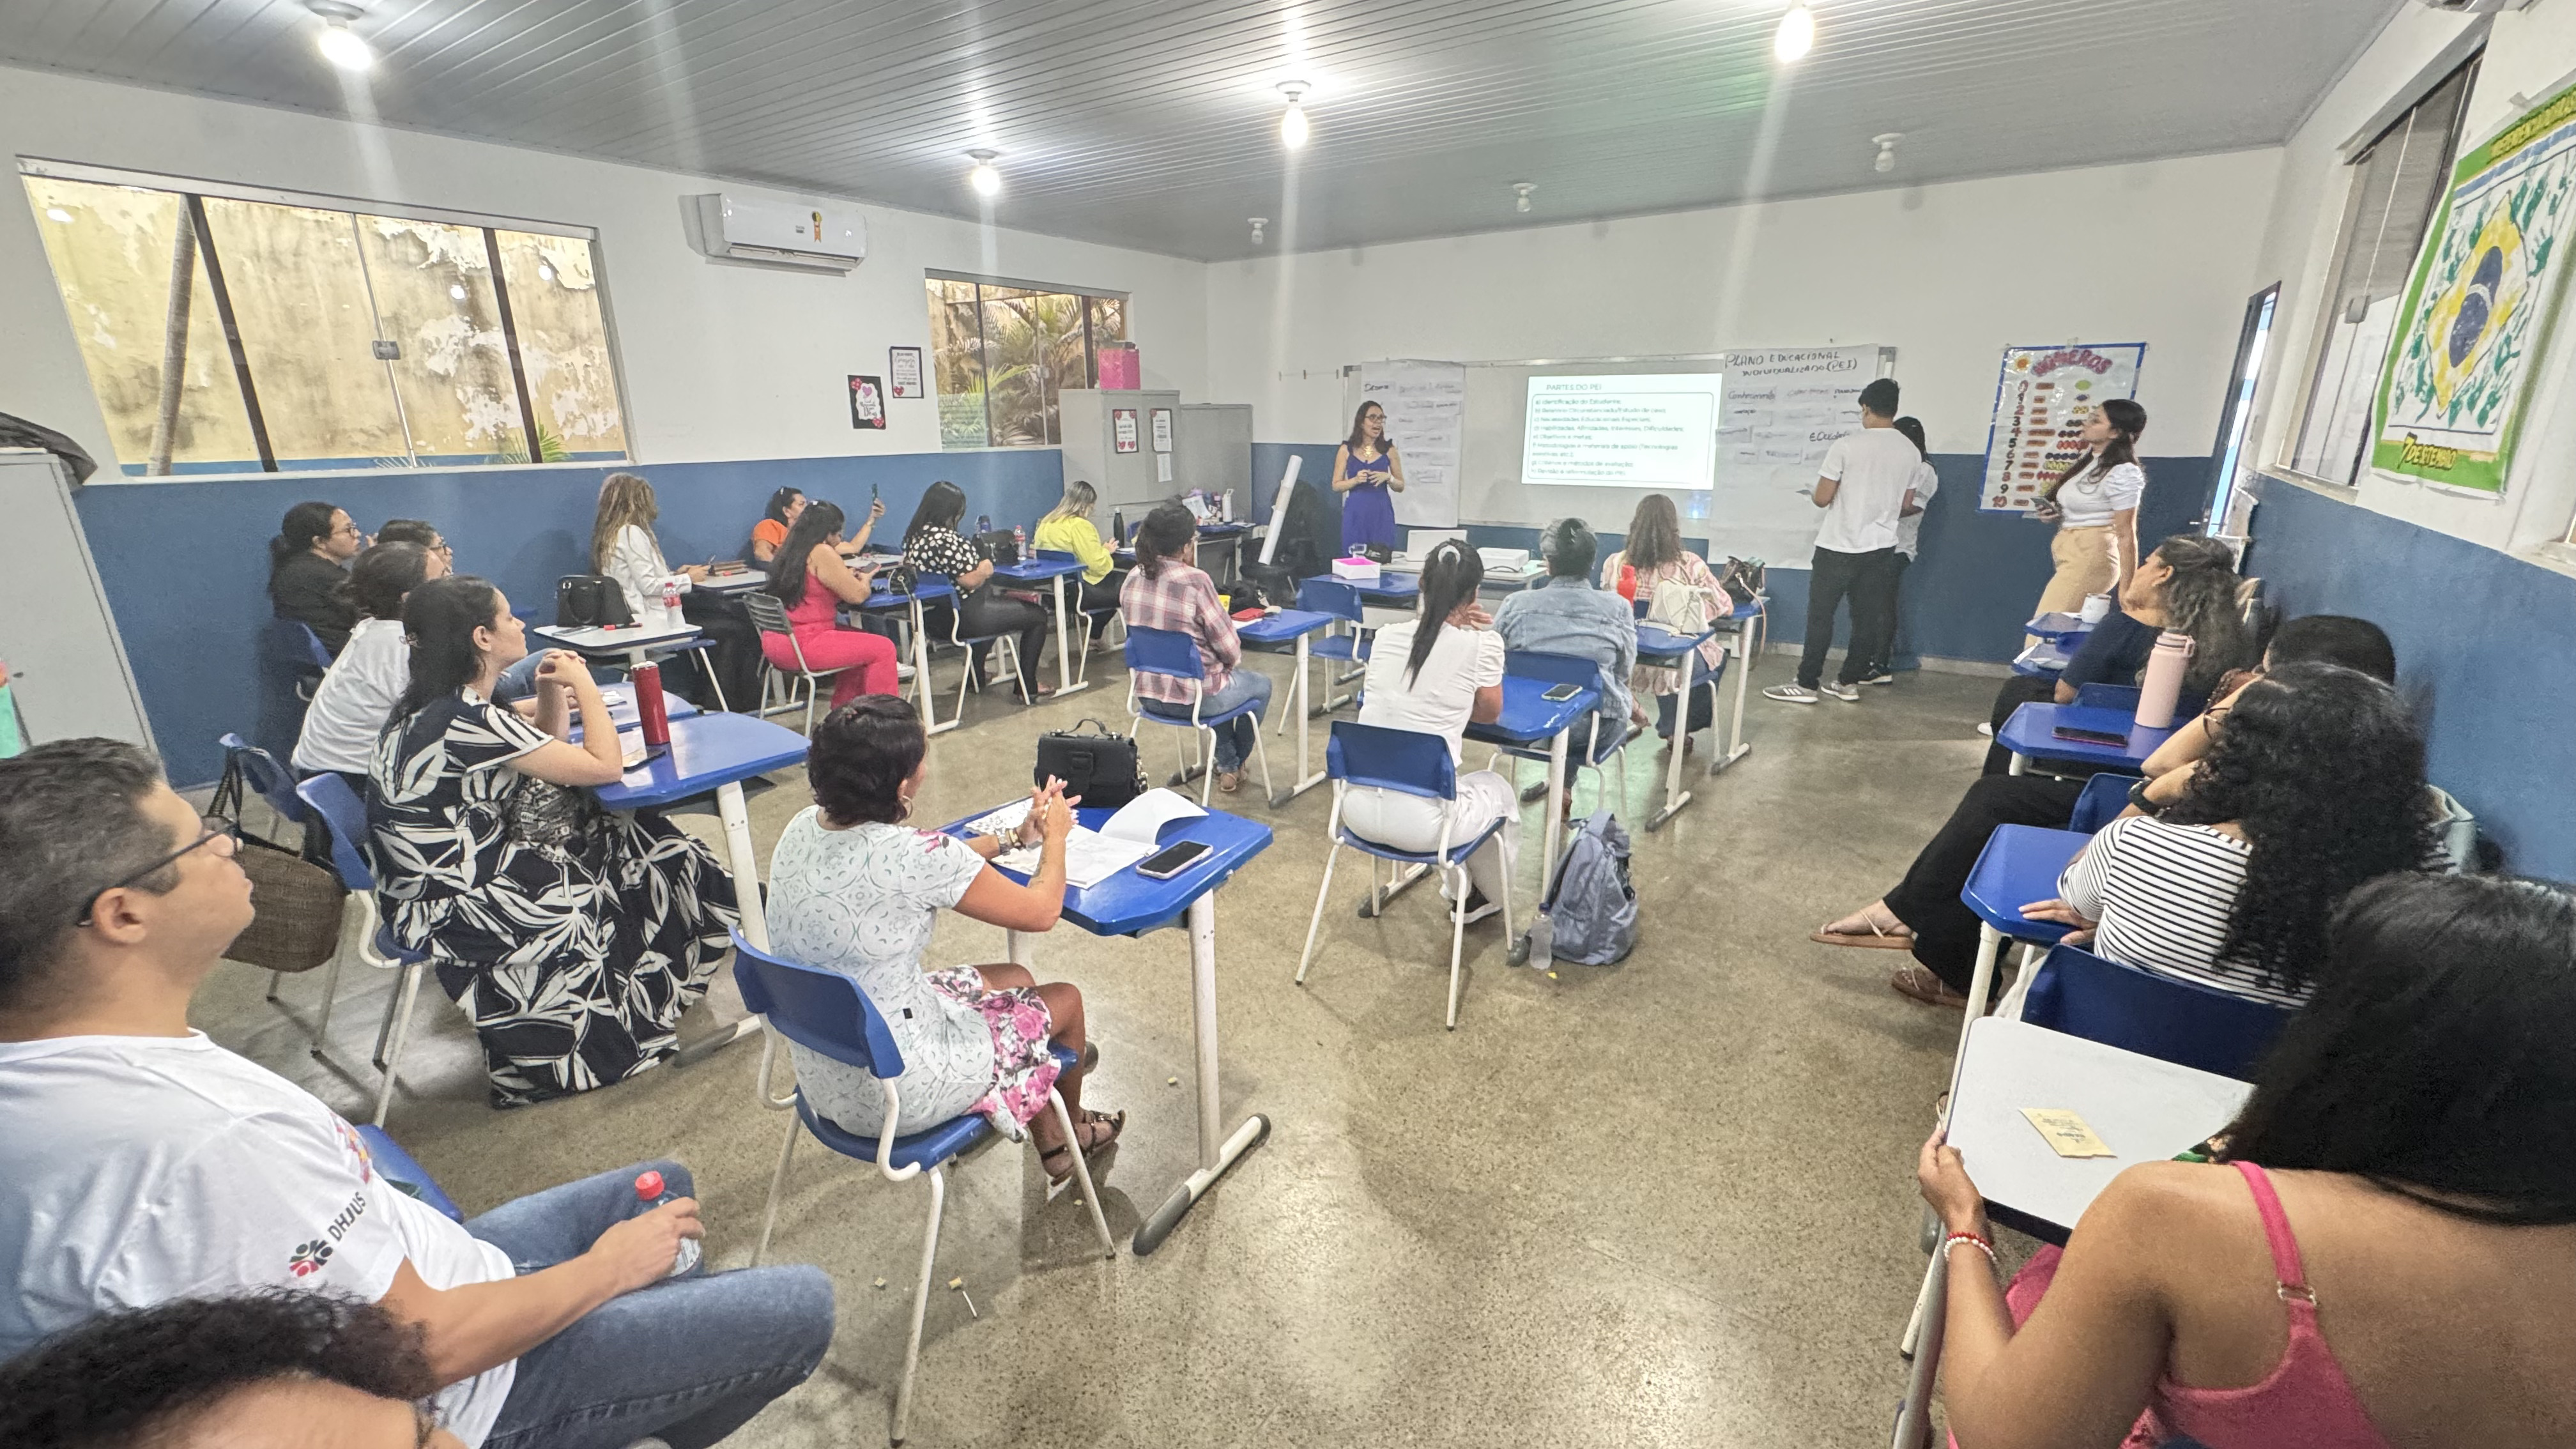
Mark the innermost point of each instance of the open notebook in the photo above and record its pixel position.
(1092, 856)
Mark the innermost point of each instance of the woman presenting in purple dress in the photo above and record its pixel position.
(1367, 473)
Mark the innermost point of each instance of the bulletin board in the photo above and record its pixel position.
(2042, 398)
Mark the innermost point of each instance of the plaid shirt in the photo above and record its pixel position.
(1183, 600)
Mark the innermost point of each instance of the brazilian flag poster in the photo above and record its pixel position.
(2477, 312)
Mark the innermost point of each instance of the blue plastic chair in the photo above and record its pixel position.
(1094, 621)
(1586, 750)
(292, 662)
(1175, 655)
(272, 783)
(2020, 864)
(344, 818)
(1346, 647)
(826, 1013)
(2164, 1017)
(408, 1177)
(1411, 763)
(2104, 797)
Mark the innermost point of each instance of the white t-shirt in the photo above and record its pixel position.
(1439, 699)
(2090, 500)
(1909, 529)
(1874, 467)
(135, 1170)
(355, 699)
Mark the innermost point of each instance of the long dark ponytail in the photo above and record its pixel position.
(2128, 421)
(1450, 577)
(439, 619)
(819, 521)
(304, 523)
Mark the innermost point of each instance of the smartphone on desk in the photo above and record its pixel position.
(1561, 693)
(2106, 738)
(1171, 860)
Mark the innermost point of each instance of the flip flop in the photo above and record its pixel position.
(1879, 942)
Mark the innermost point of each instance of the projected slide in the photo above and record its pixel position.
(1630, 430)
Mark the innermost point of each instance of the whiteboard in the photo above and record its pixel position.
(1752, 510)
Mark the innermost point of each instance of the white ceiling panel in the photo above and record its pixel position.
(1153, 123)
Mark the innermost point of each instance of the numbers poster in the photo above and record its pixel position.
(2041, 403)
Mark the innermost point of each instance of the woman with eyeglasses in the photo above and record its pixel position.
(353, 701)
(308, 570)
(574, 937)
(1368, 475)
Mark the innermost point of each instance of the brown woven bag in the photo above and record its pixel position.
(297, 903)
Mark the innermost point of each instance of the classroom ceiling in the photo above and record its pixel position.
(1154, 123)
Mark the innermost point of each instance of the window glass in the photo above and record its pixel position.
(433, 284)
(2395, 184)
(957, 366)
(299, 295)
(1000, 356)
(111, 251)
(563, 344)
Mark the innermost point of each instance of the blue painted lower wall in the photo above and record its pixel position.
(186, 563)
(2482, 647)
(1968, 593)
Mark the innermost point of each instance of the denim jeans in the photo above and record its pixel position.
(519, 680)
(688, 1360)
(1234, 738)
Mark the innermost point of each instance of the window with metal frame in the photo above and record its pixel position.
(238, 329)
(2396, 181)
(1001, 351)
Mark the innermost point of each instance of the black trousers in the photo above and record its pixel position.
(2017, 691)
(735, 661)
(990, 611)
(1945, 931)
(1864, 578)
(1887, 593)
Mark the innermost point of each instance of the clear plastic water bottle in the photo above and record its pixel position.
(649, 1191)
(1020, 541)
(670, 603)
(983, 523)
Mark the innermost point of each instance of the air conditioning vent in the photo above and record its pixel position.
(814, 238)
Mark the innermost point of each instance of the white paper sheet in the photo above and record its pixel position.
(1140, 820)
(1089, 857)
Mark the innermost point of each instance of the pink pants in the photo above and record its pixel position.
(866, 660)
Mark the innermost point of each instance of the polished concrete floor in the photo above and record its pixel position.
(1665, 1203)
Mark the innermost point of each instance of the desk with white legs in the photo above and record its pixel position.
(1528, 719)
(1052, 573)
(1127, 904)
(1747, 619)
(1273, 632)
(1679, 652)
(882, 599)
(634, 643)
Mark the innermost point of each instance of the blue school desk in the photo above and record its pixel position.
(882, 599)
(1052, 573)
(1528, 720)
(1271, 633)
(2031, 735)
(1679, 652)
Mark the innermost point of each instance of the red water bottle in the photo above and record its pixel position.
(656, 721)
(649, 1191)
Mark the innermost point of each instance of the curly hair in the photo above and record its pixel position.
(2323, 769)
(860, 757)
(119, 1379)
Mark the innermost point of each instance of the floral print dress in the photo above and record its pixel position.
(1691, 570)
(573, 937)
(863, 902)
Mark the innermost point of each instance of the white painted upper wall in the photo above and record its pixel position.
(2531, 52)
(721, 361)
(2160, 252)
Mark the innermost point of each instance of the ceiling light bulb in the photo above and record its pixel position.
(1886, 143)
(1521, 194)
(1292, 126)
(985, 180)
(1796, 35)
(345, 48)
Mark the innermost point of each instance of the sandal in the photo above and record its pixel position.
(1882, 938)
(1916, 980)
(1095, 1130)
(1229, 781)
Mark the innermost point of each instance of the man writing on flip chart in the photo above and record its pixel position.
(1865, 486)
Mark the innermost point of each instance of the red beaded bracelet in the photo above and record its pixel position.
(1980, 1244)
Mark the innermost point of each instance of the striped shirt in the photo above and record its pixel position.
(2163, 894)
(1182, 599)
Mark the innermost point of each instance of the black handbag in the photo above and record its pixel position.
(590, 601)
(1000, 545)
(1101, 767)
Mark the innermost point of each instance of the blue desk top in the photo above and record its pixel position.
(930, 590)
(1390, 585)
(1654, 642)
(1127, 904)
(2031, 732)
(623, 712)
(614, 641)
(707, 750)
(2066, 629)
(1528, 719)
(1283, 627)
(2020, 864)
(1037, 570)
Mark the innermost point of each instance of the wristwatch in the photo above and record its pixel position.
(2138, 798)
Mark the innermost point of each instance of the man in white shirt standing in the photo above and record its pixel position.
(140, 1162)
(1909, 543)
(1865, 486)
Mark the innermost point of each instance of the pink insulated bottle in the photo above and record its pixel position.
(2161, 686)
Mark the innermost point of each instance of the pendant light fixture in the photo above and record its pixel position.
(339, 44)
(985, 180)
(1796, 35)
(1292, 126)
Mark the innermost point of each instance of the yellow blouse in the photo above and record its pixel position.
(1081, 538)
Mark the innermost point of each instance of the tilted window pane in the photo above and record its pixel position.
(1020, 332)
(563, 344)
(957, 364)
(111, 250)
(433, 286)
(299, 295)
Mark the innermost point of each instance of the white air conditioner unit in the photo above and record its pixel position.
(783, 233)
(2472, 7)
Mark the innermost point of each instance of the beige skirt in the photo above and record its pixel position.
(2085, 567)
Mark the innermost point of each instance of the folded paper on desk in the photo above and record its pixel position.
(1093, 856)
(2067, 1133)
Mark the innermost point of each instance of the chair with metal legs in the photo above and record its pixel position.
(825, 1012)
(367, 936)
(769, 616)
(1175, 655)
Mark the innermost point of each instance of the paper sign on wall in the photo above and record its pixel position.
(1122, 429)
(1425, 403)
(903, 371)
(2042, 400)
(1162, 430)
(1162, 467)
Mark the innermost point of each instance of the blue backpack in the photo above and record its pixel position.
(1590, 918)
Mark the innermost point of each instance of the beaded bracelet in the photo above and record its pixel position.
(1972, 1240)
